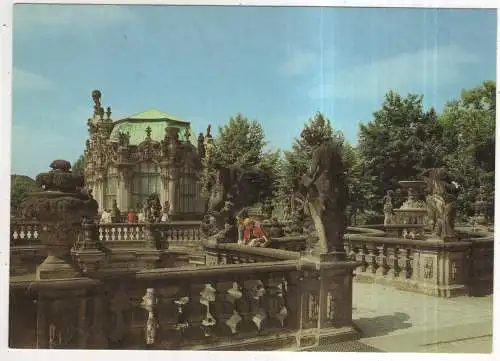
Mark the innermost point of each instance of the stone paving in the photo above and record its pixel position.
(399, 321)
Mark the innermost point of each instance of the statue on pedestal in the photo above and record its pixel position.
(442, 202)
(327, 198)
(115, 213)
(388, 208)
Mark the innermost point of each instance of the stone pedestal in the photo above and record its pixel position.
(443, 270)
(325, 292)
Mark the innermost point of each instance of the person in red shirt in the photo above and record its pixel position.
(131, 217)
(253, 234)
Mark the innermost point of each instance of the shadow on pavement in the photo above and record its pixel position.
(382, 325)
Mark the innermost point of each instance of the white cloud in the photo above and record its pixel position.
(298, 62)
(406, 72)
(25, 80)
(91, 17)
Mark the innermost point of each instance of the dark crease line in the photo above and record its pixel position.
(456, 340)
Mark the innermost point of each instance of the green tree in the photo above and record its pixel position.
(79, 165)
(468, 138)
(242, 143)
(402, 140)
(297, 161)
(20, 187)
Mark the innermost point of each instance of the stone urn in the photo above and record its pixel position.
(61, 206)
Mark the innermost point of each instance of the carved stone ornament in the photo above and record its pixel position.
(61, 206)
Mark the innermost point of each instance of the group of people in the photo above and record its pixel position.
(251, 232)
(132, 216)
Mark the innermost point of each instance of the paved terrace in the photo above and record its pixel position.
(399, 321)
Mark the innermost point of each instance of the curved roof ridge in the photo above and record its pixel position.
(154, 114)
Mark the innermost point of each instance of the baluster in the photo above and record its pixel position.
(371, 258)
(149, 303)
(101, 234)
(35, 233)
(282, 294)
(382, 261)
(119, 233)
(207, 298)
(258, 293)
(361, 257)
(106, 233)
(22, 235)
(406, 264)
(392, 261)
(182, 316)
(234, 294)
(113, 233)
(28, 235)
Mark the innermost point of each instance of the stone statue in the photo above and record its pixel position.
(209, 130)
(166, 207)
(233, 189)
(115, 213)
(123, 139)
(388, 208)
(156, 207)
(201, 145)
(441, 202)
(327, 197)
(146, 209)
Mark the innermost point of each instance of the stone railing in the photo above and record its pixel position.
(258, 306)
(444, 269)
(232, 253)
(24, 233)
(175, 231)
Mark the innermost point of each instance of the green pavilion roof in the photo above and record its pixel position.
(136, 126)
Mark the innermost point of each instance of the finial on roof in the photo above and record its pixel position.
(209, 128)
(96, 96)
(108, 113)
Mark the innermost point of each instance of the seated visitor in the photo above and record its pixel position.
(141, 218)
(240, 219)
(131, 216)
(106, 216)
(253, 234)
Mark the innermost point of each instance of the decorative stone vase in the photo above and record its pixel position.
(61, 207)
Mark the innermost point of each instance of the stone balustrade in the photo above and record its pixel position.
(123, 239)
(24, 233)
(250, 306)
(443, 269)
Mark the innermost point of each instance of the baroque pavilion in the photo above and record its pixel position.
(129, 159)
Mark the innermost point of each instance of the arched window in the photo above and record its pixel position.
(146, 181)
(110, 187)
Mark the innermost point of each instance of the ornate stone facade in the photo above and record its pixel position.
(131, 158)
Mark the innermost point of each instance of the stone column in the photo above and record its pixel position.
(164, 182)
(124, 182)
(173, 190)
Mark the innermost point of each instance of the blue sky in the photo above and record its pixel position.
(204, 64)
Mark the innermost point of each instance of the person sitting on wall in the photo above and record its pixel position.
(240, 219)
(253, 234)
(141, 218)
(131, 216)
(106, 216)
